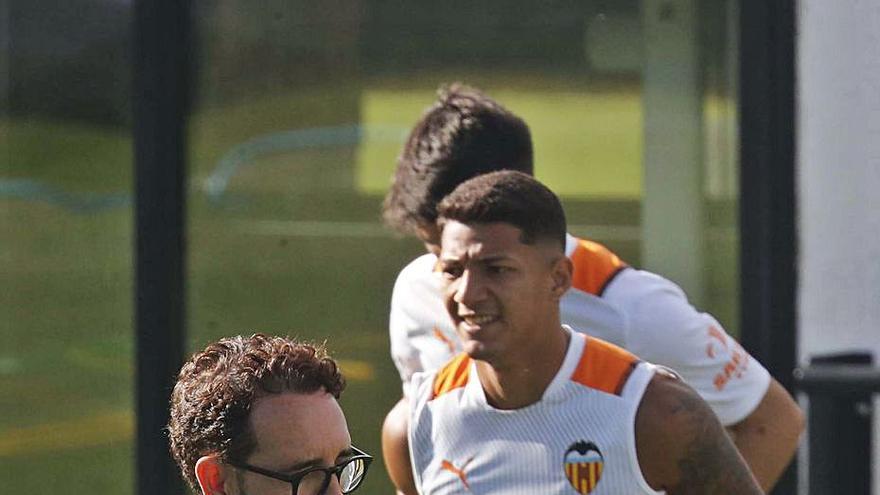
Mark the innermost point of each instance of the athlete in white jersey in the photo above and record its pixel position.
(530, 406)
(634, 309)
(465, 134)
(578, 438)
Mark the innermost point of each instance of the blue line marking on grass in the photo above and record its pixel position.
(346, 135)
(217, 182)
(239, 156)
(77, 202)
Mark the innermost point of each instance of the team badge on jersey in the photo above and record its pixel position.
(583, 466)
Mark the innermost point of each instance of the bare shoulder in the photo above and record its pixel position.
(682, 447)
(395, 448)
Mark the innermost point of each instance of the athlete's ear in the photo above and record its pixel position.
(210, 474)
(561, 274)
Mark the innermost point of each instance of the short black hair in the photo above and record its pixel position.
(508, 197)
(462, 135)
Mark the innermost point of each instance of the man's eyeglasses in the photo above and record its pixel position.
(316, 480)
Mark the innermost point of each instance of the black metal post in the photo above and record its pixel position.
(767, 199)
(841, 418)
(160, 95)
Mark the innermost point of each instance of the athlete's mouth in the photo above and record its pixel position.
(478, 320)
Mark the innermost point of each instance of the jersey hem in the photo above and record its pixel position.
(744, 408)
(631, 441)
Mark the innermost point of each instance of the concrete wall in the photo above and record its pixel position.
(839, 181)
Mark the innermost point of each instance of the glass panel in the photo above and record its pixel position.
(719, 62)
(65, 248)
(281, 239)
(302, 110)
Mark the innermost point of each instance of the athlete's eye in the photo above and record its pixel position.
(451, 271)
(498, 269)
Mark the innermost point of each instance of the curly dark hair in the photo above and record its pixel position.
(463, 134)
(216, 388)
(509, 197)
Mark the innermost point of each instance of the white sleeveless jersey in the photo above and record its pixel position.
(578, 439)
(640, 311)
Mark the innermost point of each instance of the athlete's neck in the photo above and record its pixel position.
(520, 382)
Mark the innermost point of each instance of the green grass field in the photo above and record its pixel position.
(292, 246)
(594, 157)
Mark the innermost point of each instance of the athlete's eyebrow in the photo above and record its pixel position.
(491, 258)
(488, 258)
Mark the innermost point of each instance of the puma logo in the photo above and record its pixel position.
(458, 472)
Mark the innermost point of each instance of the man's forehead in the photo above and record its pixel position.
(293, 429)
(479, 239)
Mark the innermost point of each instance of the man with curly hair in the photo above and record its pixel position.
(259, 415)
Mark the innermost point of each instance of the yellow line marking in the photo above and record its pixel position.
(357, 370)
(110, 427)
(92, 431)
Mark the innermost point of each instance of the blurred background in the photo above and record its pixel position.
(298, 112)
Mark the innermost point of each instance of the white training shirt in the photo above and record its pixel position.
(638, 310)
(579, 438)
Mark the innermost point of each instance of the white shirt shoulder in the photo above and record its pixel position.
(421, 332)
(664, 328)
(641, 311)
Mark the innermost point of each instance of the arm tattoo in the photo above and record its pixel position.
(710, 463)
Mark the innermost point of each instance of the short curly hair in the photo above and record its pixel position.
(463, 134)
(216, 388)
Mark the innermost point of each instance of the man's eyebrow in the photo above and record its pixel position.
(301, 466)
(316, 462)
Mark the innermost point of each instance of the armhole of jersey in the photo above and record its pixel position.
(415, 411)
(604, 366)
(451, 376)
(594, 267)
(643, 373)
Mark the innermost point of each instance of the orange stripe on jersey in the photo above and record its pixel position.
(604, 366)
(594, 267)
(452, 376)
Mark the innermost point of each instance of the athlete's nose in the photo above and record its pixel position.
(469, 289)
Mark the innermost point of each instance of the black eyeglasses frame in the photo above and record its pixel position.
(296, 478)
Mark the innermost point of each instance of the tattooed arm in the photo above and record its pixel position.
(682, 448)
